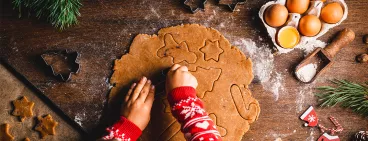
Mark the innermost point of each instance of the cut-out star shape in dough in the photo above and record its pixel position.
(211, 50)
(23, 108)
(179, 51)
(46, 126)
(4, 133)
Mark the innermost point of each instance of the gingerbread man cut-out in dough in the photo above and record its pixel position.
(180, 52)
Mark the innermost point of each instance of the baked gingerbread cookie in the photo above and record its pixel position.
(23, 108)
(222, 70)
(46, 126)
(4, 133)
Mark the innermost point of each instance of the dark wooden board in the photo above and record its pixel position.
(105, 31)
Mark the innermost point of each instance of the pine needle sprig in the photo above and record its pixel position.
(347, 94)
(60, 13)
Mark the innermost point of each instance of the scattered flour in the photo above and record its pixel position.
(79, 118)
(310, 46)
(311, 135)
(278, 137)
(263, 66)
(304, 96)
(155, 12)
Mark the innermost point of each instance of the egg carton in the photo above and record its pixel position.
(293, 20)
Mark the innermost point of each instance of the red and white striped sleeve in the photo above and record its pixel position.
(187, 108)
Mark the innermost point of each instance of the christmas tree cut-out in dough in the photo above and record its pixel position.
(216, 64)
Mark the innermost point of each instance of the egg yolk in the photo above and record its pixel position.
(288, 37)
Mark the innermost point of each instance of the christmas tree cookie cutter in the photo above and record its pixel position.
(62, 63)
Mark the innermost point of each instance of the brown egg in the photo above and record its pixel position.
(332, 13)
(297, 6)
(276, 15)
(309, 25)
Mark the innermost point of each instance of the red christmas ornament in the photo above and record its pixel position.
(310, 117)
(327, 137)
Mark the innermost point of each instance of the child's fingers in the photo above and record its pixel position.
(151, 96)
(145, 90)
(138, 89)
(183, 68)
(130, 91)
(175, 67)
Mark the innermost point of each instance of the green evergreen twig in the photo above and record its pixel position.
(60, 13)
(347, 94)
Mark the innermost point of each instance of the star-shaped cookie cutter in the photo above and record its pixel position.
(199, 6)
(71, 59)
(232, 4)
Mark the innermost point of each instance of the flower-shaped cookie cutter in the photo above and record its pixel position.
(232, 4)
(62, 63)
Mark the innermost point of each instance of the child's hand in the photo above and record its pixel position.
(138, 103)
(179, 76)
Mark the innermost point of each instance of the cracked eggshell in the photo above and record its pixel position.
(314, 9)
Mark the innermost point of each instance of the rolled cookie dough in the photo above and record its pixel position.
(222, 70)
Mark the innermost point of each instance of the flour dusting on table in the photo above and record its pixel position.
(304, 97)
(79, 118)
(311, 135)
(263, 66)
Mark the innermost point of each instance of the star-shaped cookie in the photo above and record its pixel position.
(211, 50)
(46, 125)
(23, 108)
(4, 133)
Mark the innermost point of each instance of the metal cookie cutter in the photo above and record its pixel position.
(231, 3)
(194, 5)
(62, 63)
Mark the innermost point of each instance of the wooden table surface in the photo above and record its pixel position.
(105, 31)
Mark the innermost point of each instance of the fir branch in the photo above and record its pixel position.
(60, 13)
(347, 94)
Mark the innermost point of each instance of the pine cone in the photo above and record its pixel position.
(361, 136)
